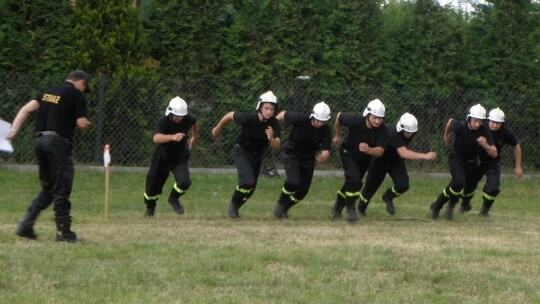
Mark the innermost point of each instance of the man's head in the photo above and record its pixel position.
(476, 116)
(374, 113)
(495, 119)
(79, 79)
(177, 109)
(320, 114)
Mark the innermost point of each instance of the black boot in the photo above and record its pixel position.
(337, 209)
(63, 230)
(362, 206)
(388, 197)
(465, 205)
(288, 206)
(174, 201)
(486, 206)
(281, 204)
(238, 199)
(150, 207)
(449, 215)
(351, 210)
(26, 226)
(438, 205)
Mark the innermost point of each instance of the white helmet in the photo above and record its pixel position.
(321, 111)
(267, 97)
(496, 115)
(407, 123)
(177, 106)
(375, 107)
(477, 111)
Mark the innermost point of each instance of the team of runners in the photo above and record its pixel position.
(371, 150)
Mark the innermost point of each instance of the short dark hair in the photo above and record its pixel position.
(78, 75)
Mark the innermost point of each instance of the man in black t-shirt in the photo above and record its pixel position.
(171, 155)
(257, 131)
(60, 109)
(308, 135)
(471, 138)
(366, 139)
(392, 162)
(491, 167)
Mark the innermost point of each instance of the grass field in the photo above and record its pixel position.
(205, 257)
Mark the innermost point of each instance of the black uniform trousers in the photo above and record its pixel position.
(248, 166)
(56, 173)
(492, 171)
(377, 172)
(354, 170)
(299, 175)
(159, 172)
(461, 171)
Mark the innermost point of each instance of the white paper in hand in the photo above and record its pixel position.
(5, 145)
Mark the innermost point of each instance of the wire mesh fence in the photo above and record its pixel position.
(124, 110)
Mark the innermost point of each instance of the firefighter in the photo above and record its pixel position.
(471, 137)
(173, 146)
(366, 139)
(491, 167)
(258, 130)
(308, 135)
(392, 162)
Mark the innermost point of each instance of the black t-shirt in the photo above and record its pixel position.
(360, 133)
(503, 136)
(465, 145)
(305, 140)
(395, 141)
(252, 137)
(174, 150)
(59, 109)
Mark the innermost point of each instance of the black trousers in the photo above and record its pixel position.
(492, 172)
(56, 173)
(299, 175)
(377, 172)
(159, 172)
(248, 167)
(355, 169)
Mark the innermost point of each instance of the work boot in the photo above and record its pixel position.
(63, 230)
(290, 203)
(279, 209)
(437, 206)
(362, 207)
(389, 203)
(486, 206)
(237, 200)
(449, 215)
(338, 207)
(465, 206)
(150, 207)
(351, 210)
(26, 226)
(149, 212)
(174, 201)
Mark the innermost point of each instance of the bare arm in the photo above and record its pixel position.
(281, 116)
(446, 135)
(160, 138)
(194, 135)
(21, 117)
(374, 152)
(338, 132)
(222, 123)
(412, 155)
(491, 150)
(518, 171)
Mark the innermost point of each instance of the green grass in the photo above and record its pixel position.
(205, 257)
